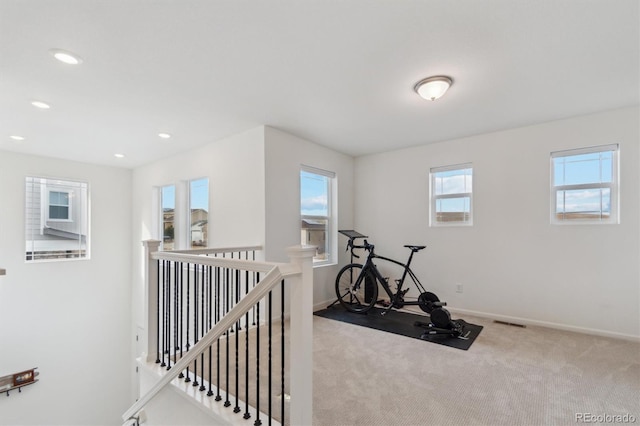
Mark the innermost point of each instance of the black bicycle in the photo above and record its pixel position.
(357, 289)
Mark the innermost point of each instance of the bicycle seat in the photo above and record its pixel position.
(415, 248)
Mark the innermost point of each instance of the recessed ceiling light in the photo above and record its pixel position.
(164, 135)
(118, 155)
(17, 137)
(66, 57)
(433, 88)
(40, 104)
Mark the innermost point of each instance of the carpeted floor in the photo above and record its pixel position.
(510, 376)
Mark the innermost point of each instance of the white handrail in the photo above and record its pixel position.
(216, 250)
(224, 262)
(273, 277)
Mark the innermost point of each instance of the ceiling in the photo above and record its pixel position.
(338, 73)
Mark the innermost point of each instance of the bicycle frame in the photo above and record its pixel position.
(370, 267)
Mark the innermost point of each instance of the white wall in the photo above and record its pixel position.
(284, 154)
(235, 168)
(512, 262)
(70, 319)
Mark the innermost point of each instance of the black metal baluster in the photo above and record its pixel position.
(174, 307)
(210, 391)
(237, 409)
(258, 422)
(195, 322)
(158, 314)
(217, 310)
(169, 316)
(187, 345)
(256, 279)
(227, 403)
(269, 388)
(164, 312)
(202, 325)
(282, 351)
(181, 334)
(246, 354)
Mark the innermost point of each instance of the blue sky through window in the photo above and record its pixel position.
(313, 194)
(583, 169)
(458, 181)
(596, 167)
(169, 197)
(199, 193)
(199, 190)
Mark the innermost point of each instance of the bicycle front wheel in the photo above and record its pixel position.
(356, 289)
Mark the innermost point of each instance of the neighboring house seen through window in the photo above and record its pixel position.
(168, 219)
(184, 214)
(199, 213)
(56, 219)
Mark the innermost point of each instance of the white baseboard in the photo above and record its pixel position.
(322, 305)
(523, 321)
(547, 324)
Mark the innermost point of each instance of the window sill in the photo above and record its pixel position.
(324, 264)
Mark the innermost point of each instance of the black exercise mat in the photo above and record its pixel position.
(399, 323)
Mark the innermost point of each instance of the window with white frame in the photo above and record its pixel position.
(59, 205)
(317, 227)
(56, 219)
(584, 185)
(451, 195)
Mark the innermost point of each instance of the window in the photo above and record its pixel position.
(585, 185)
(199, 208)
(316, 211)
(56, 219)
(451, 195)
(59, 207)
(168, 203)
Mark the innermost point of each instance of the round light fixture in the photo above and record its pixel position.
(433, 87)
(164, 135)
(40, 104)
(17, 138)
(66, 56)
(118, 155)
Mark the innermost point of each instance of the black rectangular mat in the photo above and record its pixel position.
(401, 323)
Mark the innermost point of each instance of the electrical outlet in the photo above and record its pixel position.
(459, 288)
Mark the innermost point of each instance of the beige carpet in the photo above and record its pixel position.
(509, 376)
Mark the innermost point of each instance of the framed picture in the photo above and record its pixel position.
(23, 377)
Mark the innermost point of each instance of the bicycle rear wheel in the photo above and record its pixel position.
(356, 289)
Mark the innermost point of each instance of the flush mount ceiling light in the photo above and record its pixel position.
(433, 87)
(118, 155)
(17, 138)
(164, 135)
(66, 56)
(40, 104)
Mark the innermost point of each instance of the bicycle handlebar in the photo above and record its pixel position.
(365, 246)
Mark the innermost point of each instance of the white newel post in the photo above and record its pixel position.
(151, 298)
(301, 366)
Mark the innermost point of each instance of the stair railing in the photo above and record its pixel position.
(299, 273)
